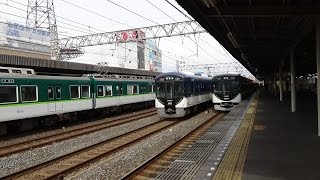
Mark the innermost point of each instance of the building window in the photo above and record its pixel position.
(108, 90)
(50, 92)
(58, 92)
(8, 94)
(85, 91)
(29, 93)
(74, 92)
(100, 90)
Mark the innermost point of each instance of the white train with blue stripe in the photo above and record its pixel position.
(179, 94)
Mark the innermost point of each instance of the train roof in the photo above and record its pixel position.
(183, 76)
(107, 78)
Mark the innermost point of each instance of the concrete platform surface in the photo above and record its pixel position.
(284, 145)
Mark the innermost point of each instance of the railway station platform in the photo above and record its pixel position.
(278, 144)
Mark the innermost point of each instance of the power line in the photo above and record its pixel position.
(74, 21)
(137, 13)
(179, 10)
(61, 17)
(132, 12)
(176, 21)
(85, 30)
(160, 10)
(96, 13)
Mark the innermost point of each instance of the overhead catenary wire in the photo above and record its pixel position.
(176, 21)
(232, 60)
(96, 13)
(83, 25)
(133, 12)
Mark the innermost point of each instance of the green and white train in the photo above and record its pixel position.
(25, 96)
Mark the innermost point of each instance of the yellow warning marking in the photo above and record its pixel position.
(250, 110)
(231, 166)
(258, 127)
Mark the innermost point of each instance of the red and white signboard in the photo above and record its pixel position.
(131, 35)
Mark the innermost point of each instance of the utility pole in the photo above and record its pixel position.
(40, 14)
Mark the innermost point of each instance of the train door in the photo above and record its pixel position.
(54, 95)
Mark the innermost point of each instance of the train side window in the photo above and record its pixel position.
(85, 91)
(119, 90)
(153, 88)
(130, 89)
(8, 94)
(108, 90)
(58, 92)
(100, 90)
(29, 72)
(74, 92)
(29, 93)
(135, 89)
(143, 90)
(50, 93)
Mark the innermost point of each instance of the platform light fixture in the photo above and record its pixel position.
(232, 40)
(208, 3)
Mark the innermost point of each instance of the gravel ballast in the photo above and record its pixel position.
(20, 161)
(118, 165)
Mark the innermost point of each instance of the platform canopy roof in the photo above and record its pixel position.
(259, 33)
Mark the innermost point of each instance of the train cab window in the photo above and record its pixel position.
(29, 93)
(74, 92)
(178, 89)
(161, 90)
(85, 91)
(100, 91)
(109, 90)
(8, 94)
(50, 93)
(58, 92)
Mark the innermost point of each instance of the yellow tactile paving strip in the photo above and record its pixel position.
(232, 163)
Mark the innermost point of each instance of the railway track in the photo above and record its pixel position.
(71, 133)
(61, 166)
(151, 168)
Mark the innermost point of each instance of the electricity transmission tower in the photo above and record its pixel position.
(40, 14)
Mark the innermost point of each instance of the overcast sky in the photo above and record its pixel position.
(109, 17)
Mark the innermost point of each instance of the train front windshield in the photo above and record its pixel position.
(169, 90)
(226, 87)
